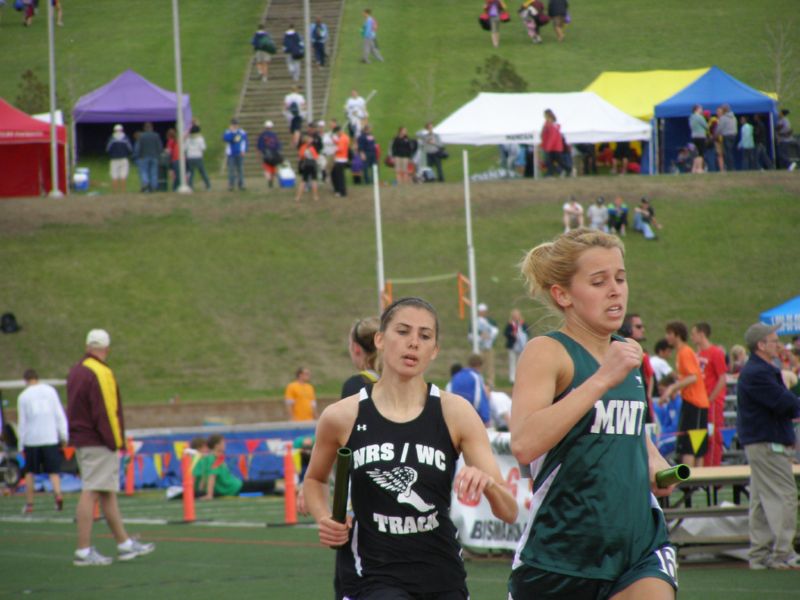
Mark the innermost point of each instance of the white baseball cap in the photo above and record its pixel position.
(268, 123)
(482, 307)
(98, 338)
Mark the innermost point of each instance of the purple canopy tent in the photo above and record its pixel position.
(128, 99)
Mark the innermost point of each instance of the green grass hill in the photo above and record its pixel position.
(216, 297)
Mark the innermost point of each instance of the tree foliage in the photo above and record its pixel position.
(498, 75)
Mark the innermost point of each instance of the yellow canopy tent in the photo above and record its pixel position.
(637, 93)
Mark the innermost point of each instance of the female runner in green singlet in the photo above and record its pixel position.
(577, 418)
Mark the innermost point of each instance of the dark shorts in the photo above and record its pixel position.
(622, 150)
(295, 124)
(43, 459)
(530, 583)
(691, 418)
(387, 592)
(308, 173)
(700, 144)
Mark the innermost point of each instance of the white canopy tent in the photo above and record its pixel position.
(585, 118)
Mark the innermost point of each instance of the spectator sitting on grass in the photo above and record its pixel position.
(213, 478)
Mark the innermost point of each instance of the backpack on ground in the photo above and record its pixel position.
(8, 323)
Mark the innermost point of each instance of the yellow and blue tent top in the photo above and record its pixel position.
(637, 93)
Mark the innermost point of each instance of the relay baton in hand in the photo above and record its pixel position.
(673, 475)
(340, 486)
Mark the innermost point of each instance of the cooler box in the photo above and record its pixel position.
(286, 177)
(80, 180)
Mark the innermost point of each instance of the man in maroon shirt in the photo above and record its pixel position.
(714, 367)
(96, 429)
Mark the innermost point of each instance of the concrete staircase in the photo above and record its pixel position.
(261, 101)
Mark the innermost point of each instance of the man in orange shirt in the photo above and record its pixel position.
(340, 161)
(715, 370)
(693, 424)
(301, 402)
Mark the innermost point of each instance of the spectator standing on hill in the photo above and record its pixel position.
(174, 152)
(294, 49)
(270, 147)
(728, 130)
(558, 10)
(487, 334)
(573, 214)
(598, 215)
(369, 33)
(403, 149)
(432, 147)
(235, 139)
(552, 143)
(300, 398)
(42, 429)
(535, 17)
(422, 558)
(715, 140)
(469, 384)
(738, 359)
(319, 38)
(119, 150)
(622, 153)
(341, 158)
(698, 128)
(595, 530)
(356, 110)
(29, 10)
(517, 335)
(294, 109)
(368, 150)
(618, 216)
(264, 48)
(307, 156)
(764, 424)
(785, 137)
(96, 429)
(195, 149)
(493, 8)
(747, 144)
(147, 151)
(763, 161)
(658, 360)
(715, 370)
(693, 429)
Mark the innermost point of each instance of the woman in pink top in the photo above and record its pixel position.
(552, 143)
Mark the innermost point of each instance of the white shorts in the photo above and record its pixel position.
(119, 168)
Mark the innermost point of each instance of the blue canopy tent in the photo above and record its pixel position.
(711, 90)
(787, 315)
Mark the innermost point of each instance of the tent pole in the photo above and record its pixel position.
(376, 190)
(473, 279)
(309, 50)
(55, 191)
(772, 139)
(183, 188)
(536, 173)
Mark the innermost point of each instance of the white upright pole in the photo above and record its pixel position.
(536, 169)
(376, 187)
(183, 188)
(473, 279)
(309, 50)
(55, 191)
(772, 140)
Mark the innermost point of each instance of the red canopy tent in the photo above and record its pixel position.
(25, 154)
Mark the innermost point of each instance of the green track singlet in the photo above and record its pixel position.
(593, 514)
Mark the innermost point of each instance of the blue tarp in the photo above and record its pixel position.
(711, 90)
(787, 315)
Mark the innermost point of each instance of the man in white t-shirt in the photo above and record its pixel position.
(658, 360)
(42, 428)
(356, 109)
(294, 109)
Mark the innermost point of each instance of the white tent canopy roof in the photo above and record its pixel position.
(585, 118)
